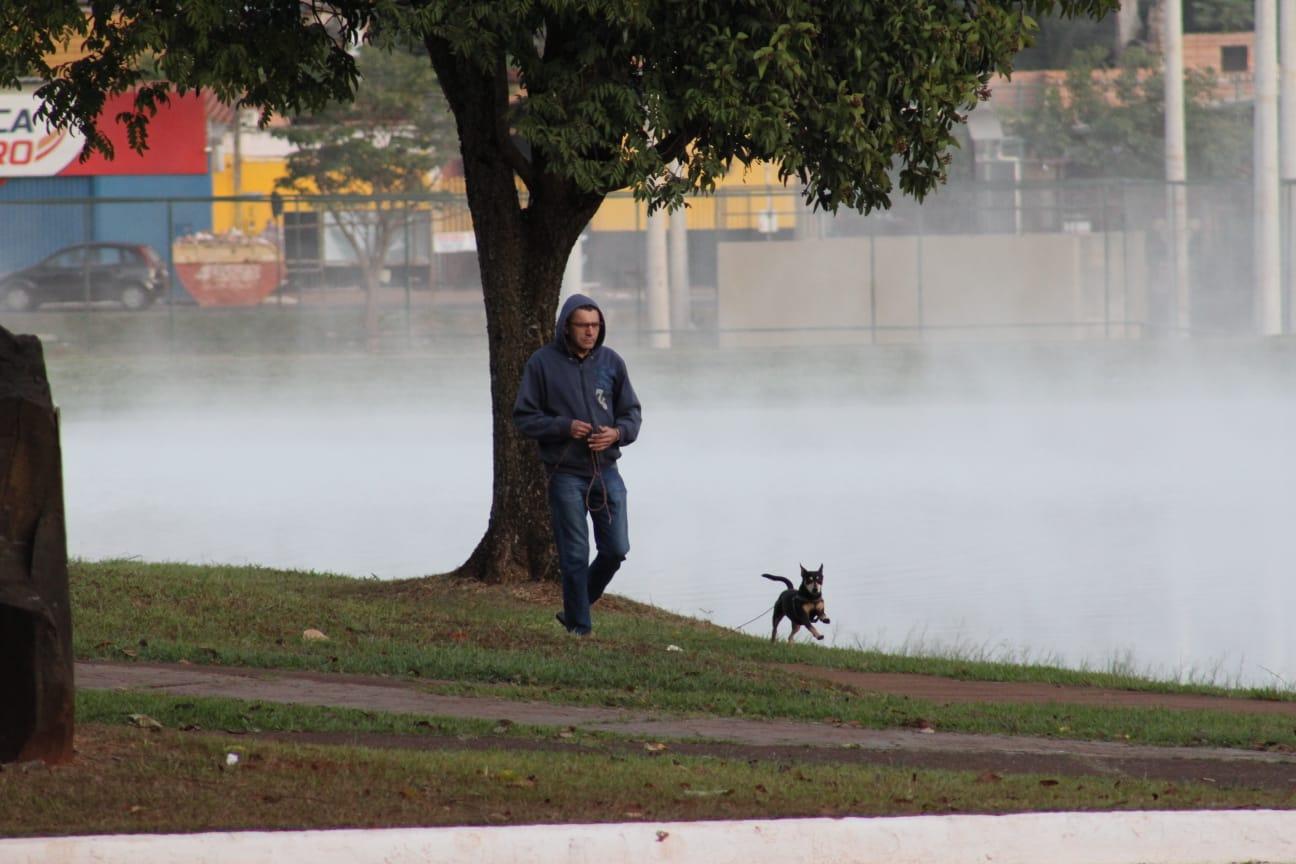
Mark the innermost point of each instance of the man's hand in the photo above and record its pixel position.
(604, 438)
(580, 429)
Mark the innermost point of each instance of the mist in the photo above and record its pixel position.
(1101, 505)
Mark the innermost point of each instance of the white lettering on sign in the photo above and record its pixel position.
(27, 147)
(236, 276)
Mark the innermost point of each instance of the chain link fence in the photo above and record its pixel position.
(1088, 260)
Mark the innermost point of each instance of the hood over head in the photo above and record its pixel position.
(573, 303)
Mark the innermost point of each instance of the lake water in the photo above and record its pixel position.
(1089, 505)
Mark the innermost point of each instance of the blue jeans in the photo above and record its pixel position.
(571, 500)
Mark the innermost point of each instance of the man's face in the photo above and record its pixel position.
(583, 329)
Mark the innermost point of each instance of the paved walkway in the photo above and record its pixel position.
(734, 736)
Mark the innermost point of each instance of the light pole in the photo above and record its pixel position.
(1268, 250)
(1176, 164)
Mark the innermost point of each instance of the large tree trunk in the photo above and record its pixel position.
(522, 253)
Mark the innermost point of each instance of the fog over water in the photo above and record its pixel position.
(1088, 504)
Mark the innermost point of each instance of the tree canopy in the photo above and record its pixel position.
(571, 100)
(387, 140)
(844, 96)
(1111, 122)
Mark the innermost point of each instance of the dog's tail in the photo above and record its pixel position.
(783, 579)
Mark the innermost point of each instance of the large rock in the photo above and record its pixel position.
(36, 691)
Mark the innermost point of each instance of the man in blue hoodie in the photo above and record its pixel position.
(576, 401)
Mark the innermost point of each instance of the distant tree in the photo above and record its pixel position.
(1219, 16)
(384, 142)
(1115, 126)
(559, 103)
(1059, 39)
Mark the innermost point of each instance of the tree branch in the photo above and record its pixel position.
(674, 146)
(503, 137)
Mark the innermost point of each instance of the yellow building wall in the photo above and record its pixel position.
(744, 200)
(258, 178)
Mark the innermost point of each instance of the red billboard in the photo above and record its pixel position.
(177, 138)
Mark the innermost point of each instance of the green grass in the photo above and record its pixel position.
(136, 780)
(238, 716)
(472, 639)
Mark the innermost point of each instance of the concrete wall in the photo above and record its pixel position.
(902, 289)
(1188, 837)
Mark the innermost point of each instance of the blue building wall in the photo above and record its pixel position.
(146, 222)
(29, 232)
(71, 210)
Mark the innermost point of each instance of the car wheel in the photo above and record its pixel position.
(18, 298)
(135, 297)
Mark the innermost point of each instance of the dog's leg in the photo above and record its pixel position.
(815, 632)
(795, 628)
(778, 616)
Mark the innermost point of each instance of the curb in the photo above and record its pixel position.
(1185, 837)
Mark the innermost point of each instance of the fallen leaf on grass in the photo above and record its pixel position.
(144, 721)
(509, 777)
(313, 635)
(706, 793)
(1048, 782)
(988, 777)
(655, 747)
(920, 724)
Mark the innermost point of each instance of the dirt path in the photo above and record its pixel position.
(732, 737)
(945, 690)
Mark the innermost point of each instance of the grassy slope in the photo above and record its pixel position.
(171, 770)
(475, 639)
(132, 780)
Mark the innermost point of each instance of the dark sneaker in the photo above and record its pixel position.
(561, 619)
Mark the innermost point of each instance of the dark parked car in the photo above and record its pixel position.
(132, 274)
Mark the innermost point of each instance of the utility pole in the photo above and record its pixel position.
(1268, 249)
(237, 168)
(681, 299)
(1287, 143)
(1176, 165)
(658, 281)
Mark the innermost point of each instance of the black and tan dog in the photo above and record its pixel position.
(802, 606)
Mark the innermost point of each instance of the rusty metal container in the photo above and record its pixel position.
(36, 686)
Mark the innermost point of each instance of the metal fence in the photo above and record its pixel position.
(340, 271)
